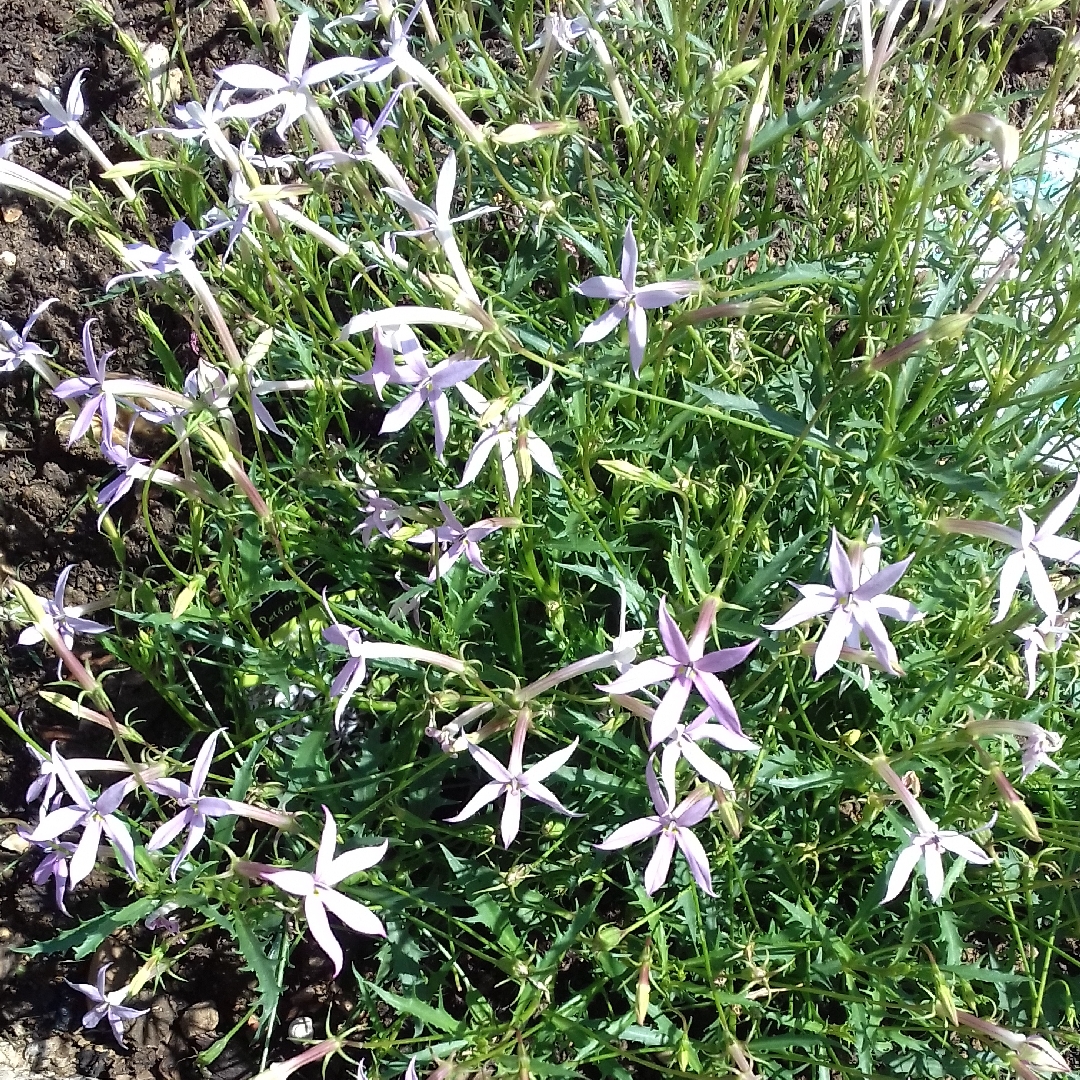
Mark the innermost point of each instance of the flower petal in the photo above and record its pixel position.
(656, 873)
(319, 925)
(832, 641)
(632, 832)
(905, 863)
(696, 858)
(352, 913)
(355, 862)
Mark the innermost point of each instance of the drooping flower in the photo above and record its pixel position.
(1036, 743)
(1047, 637)
(506, 430)
(456, 540)
(54, 865)
(672, 826)
(384, 368)
(65, 621)
(384, 515)
(856, 605)
(926, 844)
(1033, 543)
(153, 263)
(630, 302)
(44, 784)
(106, 1006)
(513, 781)
(319, 893)
(1031, 1056)
(686, 666)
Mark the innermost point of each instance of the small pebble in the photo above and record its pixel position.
(301, 1028)
(13, 843)
(199, 1019)
(8, 258)
(11, 214)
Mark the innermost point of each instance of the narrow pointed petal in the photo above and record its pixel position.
(487, 794)
(1041, 588)
(669, 711)
(1059, 513)
(324, 858)
(291, 881)
(716, 697)
(551, 764)
(440, 415)
(325, 70)
(809, 607)
(402, 413)
(319, 925)
(481, 451)
(840, 566)
(56, 823)
(601, 327)
(299, 46)
(545, 795)
(698, 861)
(629, 262)
(905, 863)
(1058, 548)
(895, 608)
(633, 832)
(726, 659)
(638, 329)
(964, 846)
(122, 843)
(935, 872)
(541, 453)
(355, 862)
(1011, 573)
(639, 676)
(602, 287)
(201, 769)
(663, 293)
(490, 764)
(166, 833)
(251, 77)
(884, 579)
(656, 873)
(444, 189)
(871, 625)
(511, 817)
(85, 854)
(676, 645)
(704, 765)
(409, 204)
(832, 641)
(352, 913)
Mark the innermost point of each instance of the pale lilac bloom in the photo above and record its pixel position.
(383, 515)
(162, 919)
(514, 781)
(198, 808)
(672, 828)
(1031, 1056)
(429, 386)
(457, 540)
(320, 896)
(44, 785)
(506, 430)
(153, 263)
(293, 89)
(1044, 638)
(630, 302)
(686, 666)
(94, 817)
(856, 608)
(683, 743)
(442, 224)
(560, 32)
(66, 621)
(54, 865)
(15, 348)
(64, 117)
(1036, 743)
(384, 368)
(202, 123)
(926, 844)
(106, 1006)
(93, 389)
(366, 135)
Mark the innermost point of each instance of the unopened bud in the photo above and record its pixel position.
(735, 309)
(523, 133)
(641, 993)
(1002, 136)
(1014, 804)
(1041, 1056)
(725, 807)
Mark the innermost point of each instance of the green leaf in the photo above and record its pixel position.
(86, 937)
(432, 1016)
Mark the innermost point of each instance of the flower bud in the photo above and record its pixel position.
(516, 134)
(1041, 1056)
(1002, 136)
(641, 992)
(1014, 804)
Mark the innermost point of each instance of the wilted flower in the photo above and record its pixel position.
(1002, 136)
(1044, 638)
(65, 621)
(1031, 1055)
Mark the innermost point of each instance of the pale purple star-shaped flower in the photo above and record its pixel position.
(683, 743)
(202, 123)
(320, 896)
(672, 827)
(119, 486)
(1047, 637)
(384, 515)
(1036, 743)
(506, 430)
(384, 367)
(515, 782)
(429, 386)
(293, 89)
(198, 808)
(630, 302)
(926, 844)
(457, 540)
(686, 666)
(106, 1006)
(366, 135)
(153, 263)
(94, 817)
(44, 784)
(62, 117)
(54, 865)
(856, 608)
(67, 621)
(92, 388)
(441, 223)
(15, 346)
